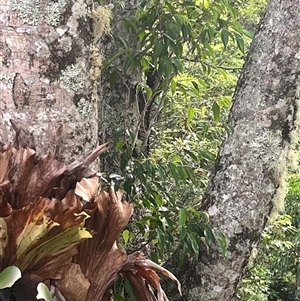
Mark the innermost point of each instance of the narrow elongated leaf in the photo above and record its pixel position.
(240, 42)
(161, 239)
(174, 171)
(191, 114)
(182, 217)
(182, 172)
(194, 243)
(225, 37)
(129, 62)
(216, 111)
(173, 86)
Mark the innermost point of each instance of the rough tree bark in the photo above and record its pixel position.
(48, 74)
(247, 184)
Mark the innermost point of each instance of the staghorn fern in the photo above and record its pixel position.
(63, 228)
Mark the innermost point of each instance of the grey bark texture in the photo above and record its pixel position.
(248, 182)
(47, 76)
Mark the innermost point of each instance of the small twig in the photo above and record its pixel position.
(141, 246)
(195, 60)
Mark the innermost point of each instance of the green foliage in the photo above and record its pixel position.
(172, 33)
(162, 188)
(195, 49)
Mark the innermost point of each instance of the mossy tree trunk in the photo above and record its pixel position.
(48, 77)
(248, 182)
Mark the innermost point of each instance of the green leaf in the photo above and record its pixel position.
(129, 291)
(191, 174)
(43, 292)
(209, 236)
(225, 37)
(182, 217)
(216, 111)
(157, 49)
(203, 36)
(113, 77)
(211, 33)
(173, 86)
(182, 233)
(182, 172)
(9, 276)
(131, 135)
(154, 256)
(174, 171)
(177, 48)
(191, 114)
(185, 29)
(222, 23)
(145, 64)
(152, 17)
(191, 154)
(223, 244)
(194, 243)
(119, 145)
(126, 236)
(108, 62)
(129, 61)
(172, 30)
(178, 65)
(123, 163)
(240, 42)
(118, 297)
(161, 239)
(168, 68)
(207, 154)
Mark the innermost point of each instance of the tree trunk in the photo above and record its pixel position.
(48, 78)
(248, 182)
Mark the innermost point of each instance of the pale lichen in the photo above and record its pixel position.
(96, 63)
(31, 12)
(7, 78)
(27, 10)
(73, 77)
(292, 156)
(54, 11)
(79, 10)
(84, 107)
(65, 43)
(102, 17)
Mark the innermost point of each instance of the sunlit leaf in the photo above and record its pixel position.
(43, 292)
(216, 111)
(9, 276)
(126, 236)
(182, 217)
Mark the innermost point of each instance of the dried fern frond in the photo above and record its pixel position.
(56, 223)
